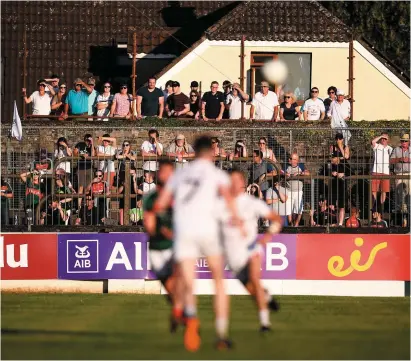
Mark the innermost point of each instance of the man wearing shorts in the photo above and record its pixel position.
(382, 153)
(196, 190)
(159, 228)
(243, 254)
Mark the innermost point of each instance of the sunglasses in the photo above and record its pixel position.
(99, 175)
(62, 87)
(194, 96)
(213, 142)
(126, 144)
(78, 84)
(314, 91)
(261, 143)
(42, 85)
(123, 87)
(404, 141)
(331, 93)
(107, 86)
(264, 86)
(287, 97)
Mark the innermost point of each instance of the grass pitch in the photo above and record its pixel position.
(75, 326)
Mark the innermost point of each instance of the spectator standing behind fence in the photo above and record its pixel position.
(133, 190)
(212, 106)
(98, 187)
(400, 157)
(124, 155)
(340, 111)
(267, 152)
(62, 150)
(54, 80)
(168, 90)
(289, 109)
(314, 108)
(63, 186)
(84, 150)
(382, 153)
(340, 154)
(194, 105)
(353, 221)
(332, 96)
(54, 215)
(151, 148)
(104, 102)
(180, 149)
(88, 213)
(265, 104)
(295, 168)
(150, 101)
(236, 99)
(92, 98)
(226, 91)
(122, 103)
(377, 221)
(178, 103)
(217, 150)
(58, 101)
(41, 98)
(6, 195)
(277, 197)
(34, 193)
(260, 171)
(108, 148)
(324, 216)
(77, 99)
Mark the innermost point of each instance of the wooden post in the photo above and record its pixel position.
(126, 193)
(133, 75)
(242, 77)
(24, 68)
(351, 76)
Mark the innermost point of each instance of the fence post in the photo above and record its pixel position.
(126, 194)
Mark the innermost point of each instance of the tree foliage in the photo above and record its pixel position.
(385, 24)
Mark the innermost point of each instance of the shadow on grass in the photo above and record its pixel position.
(16, 331)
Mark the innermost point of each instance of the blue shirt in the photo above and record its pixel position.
(77, 101)
(92, 102)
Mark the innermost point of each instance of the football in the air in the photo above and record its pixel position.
(275, 71)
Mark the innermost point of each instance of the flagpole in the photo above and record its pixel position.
(24, 68)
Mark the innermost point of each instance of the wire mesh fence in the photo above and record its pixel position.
(88, 175)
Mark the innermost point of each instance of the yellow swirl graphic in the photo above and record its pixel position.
(355, 257)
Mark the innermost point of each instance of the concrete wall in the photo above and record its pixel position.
(378, 93)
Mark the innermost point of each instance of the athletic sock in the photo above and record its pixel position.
(221, 326)
(190, 311)
(264, 316)
(177, 312)
(268, 297)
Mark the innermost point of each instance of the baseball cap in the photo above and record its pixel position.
(405, 136)
(340, 92)
(180, 136)
(91, 81)
(175, 83)
(194, 84)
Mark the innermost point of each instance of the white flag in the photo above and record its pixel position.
(16, 130)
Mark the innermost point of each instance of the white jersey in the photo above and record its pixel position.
(249, 210)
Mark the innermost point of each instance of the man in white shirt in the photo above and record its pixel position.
(41, 98)
(314, 108)
(151, 148)
(243, 254)
(235, 100)
(381, 166)
(265, 104)
(340, 112)
(195, 191)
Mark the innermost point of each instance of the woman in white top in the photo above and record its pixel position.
(267, 152)
(108, 147)
(151, 148)
(104, 101)
(41, 99)
(62, 150)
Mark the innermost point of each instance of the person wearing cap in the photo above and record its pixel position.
(314, 108)
(265, 104)
(178, 103)
(150, 100)
(340, 111)
(92, 98)
(180, 149)
(122, 103)
(194, 86)
(400, 157)
(41, 98)
(382, 153)
(76, 102)
(213, 103)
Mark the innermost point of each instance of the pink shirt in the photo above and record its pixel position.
(122, 104)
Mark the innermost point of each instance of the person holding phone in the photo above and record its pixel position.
(104, 101)
(151, 148)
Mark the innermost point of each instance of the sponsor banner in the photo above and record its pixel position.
(102, 256)
(28, 256)
(353, 257)
(125, 256)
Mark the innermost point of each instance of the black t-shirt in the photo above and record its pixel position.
(88, 216)
(149, 103)
(289, 113)
(83, 149)
(194, 108)
(53, 217)
(213, 104)
(322, 218)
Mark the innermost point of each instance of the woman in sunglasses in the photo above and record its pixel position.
(332, 95)
(104, 102)
(194, 105)
(267, 152)
(40, 98)
(98, 189)
(122, 103)
(62, 150)
(57, 104)
(289, 109)
(124, 155)
(107, 148)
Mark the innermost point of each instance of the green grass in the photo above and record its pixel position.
(75, 326)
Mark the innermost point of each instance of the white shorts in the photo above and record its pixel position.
(107, 166)
(238, 255)
(203, 242)
(161, 261)
(296, 202)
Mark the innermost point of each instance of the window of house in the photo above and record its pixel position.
(299, 73)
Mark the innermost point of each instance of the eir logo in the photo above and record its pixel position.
(82, 256)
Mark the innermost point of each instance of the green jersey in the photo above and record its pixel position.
(158, 240)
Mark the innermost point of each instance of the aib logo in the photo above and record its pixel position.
(336, 263)
(82, 256)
